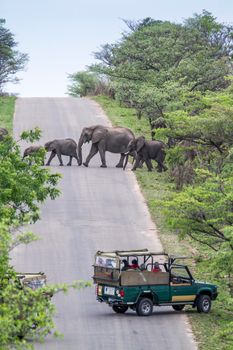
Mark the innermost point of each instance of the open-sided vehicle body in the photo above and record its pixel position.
(157, 280)
(32, 280)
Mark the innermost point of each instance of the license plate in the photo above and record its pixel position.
(109, 290)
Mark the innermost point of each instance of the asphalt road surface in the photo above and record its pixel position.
(99, 209)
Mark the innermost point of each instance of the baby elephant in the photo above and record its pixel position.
(145, 151)
(66, 147)
(30, 150)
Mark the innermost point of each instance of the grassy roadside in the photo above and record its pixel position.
(7, 106)
(208, 329)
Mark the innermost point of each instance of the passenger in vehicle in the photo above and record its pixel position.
(142, 267)
(126, 265)
(156, 267)
(134, 264)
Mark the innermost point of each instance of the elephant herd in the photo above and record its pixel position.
(106, 139)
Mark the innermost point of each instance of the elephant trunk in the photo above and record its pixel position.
(80, 143)
(126, 160)
(127, 154)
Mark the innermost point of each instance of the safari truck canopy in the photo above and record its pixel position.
(108, 267)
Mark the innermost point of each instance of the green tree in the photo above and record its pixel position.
(88, 83)
(203, 210)
(11, 60)
(24, 313)
(82, 84)
(204, 213)
(157, 64)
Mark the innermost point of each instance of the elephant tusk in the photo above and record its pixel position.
(126, 153)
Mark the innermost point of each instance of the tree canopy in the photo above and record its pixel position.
(157, 64)
(25, 314)
(11, 60)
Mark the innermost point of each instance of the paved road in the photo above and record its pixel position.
(99, 209)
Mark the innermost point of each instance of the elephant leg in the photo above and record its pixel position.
(137, 162)
(102, 156)
(76, 157)
(93, 151)
(141, 164)
(59, 157)
(148, 164)
(161, 167)
(70, 161)
(52, 155)
(121, 161)
(160, 159)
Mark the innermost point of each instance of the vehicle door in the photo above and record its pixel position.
(159, 283)
(182, 285)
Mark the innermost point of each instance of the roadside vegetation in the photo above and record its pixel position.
(173, 82)
(26, 314)
(7, 106)
(157, 188)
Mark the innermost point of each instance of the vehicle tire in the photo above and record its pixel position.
(178, 307)
(203, 303)
(144, 307)
(120, 309)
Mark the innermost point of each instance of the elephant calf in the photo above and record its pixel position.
(145, 152)
(66, 147)
(32, 149)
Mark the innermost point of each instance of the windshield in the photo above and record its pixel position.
(105, 261)
(180, 272)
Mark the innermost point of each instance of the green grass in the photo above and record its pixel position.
(121, 116)
(7, 106)
(208, 329)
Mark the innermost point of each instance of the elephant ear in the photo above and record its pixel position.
(50, 146)
(87, 132)
(99, 134)
(140, 143)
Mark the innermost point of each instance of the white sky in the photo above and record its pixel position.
(60, 36)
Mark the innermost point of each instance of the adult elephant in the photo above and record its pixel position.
(66, 147)
(3, 132)
(111, 139)
(146, 151)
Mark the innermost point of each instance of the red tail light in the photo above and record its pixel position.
(99, 290)
(122, 293)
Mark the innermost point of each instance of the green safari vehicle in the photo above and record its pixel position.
(140, 279)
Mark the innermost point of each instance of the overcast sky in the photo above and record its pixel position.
(60, 36)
